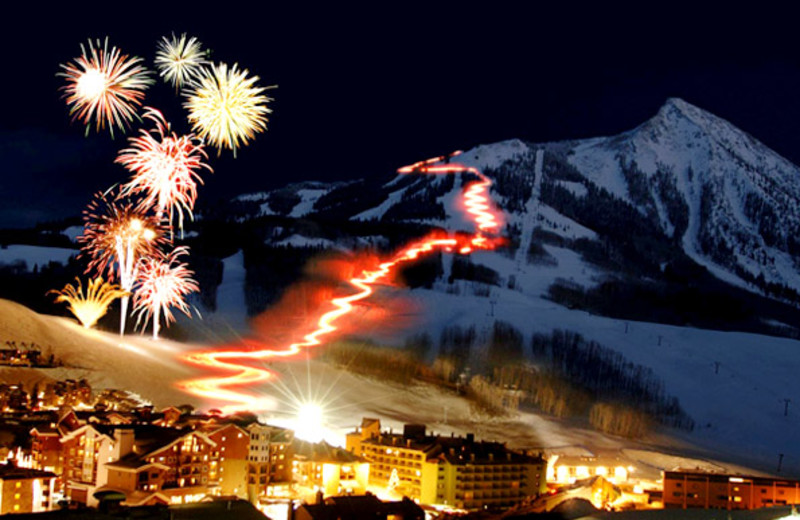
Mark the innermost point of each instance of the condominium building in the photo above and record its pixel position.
(25, 490)
(269, 461)
(690, 489)
(455, 471)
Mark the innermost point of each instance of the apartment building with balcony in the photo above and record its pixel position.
(456, 471)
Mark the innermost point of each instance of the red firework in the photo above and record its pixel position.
(165, 168)
(116, 232)
(104, 85)
(116, 236)
(163, 283)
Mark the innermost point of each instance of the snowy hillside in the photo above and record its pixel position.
(675, 222)
(691, 179)
(34, 257)
(150, 369)
(673, 245)
(739, 201)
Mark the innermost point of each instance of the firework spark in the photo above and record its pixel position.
(226, 107)
(165, 168)
(92, 305)
(179, 61)
(119, 235)
(163, 284)
(105, 85)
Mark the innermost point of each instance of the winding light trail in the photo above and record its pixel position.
(233, 359)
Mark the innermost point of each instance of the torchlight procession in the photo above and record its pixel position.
(476, 203)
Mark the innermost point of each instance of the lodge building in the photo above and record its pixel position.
(694, 489)
(456, 471)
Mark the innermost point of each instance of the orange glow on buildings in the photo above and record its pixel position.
(238, 361)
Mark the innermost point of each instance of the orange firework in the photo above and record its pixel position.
(115, 237)
(163, 283)
(165, 168)
(477, 205)
(91, 305)
(104, 85)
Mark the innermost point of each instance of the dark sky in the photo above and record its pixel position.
(362, 91)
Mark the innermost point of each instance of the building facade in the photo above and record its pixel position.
(233, 444)
(25, 490)
(691, 489)
(269, 461)
(455, 471)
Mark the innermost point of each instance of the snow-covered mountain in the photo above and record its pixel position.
(730, 201)
(685, 179)
(682, 222)
(673, 245)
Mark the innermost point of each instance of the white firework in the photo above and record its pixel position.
(180, 60)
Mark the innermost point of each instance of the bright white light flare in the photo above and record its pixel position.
(309, 422)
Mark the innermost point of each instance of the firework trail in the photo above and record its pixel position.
(232, 360)
(92, 305)
(179, 61)
(163, 283)
(226, 107)
(105, 85)
(164, 169)
(115, 237)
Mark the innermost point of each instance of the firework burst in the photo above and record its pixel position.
(165, 168)
(92, 305)
(226, 107)
(179, 60)
(105, 85)
(115, 237)
(163, 284)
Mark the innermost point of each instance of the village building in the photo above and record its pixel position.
(147, 464)
(691, 489)
(24, 490)
(269, 461)
(233, 443)
(331, 470)
(568, 469)
(455, 471)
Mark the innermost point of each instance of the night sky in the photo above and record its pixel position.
(362, 91)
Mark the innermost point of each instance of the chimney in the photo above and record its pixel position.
(123, 442)
(470, 438)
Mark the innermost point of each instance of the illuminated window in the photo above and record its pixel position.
(16, 507)
(16, 496)
(18, 484)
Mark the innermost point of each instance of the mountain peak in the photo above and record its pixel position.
(676, 109)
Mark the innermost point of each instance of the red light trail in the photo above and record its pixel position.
(233, 359)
